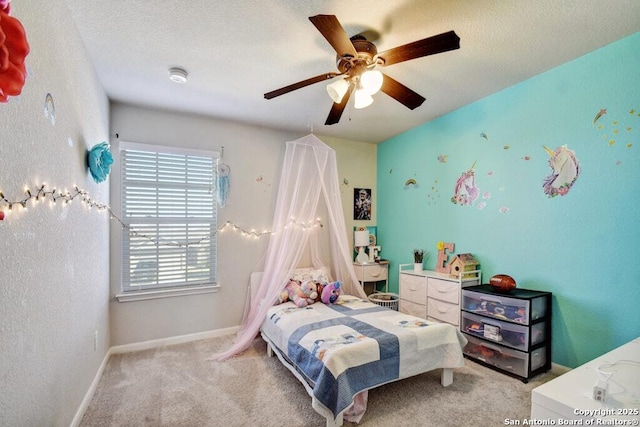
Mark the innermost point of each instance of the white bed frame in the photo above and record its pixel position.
(446, 379)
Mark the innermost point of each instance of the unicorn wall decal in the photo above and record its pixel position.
(565, 171)
(466, 191)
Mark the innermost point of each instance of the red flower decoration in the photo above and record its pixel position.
(14, 48)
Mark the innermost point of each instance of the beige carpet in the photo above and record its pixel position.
(179, 386)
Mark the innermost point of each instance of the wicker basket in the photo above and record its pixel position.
(385, 299)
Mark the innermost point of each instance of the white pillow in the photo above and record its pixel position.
(320, 275)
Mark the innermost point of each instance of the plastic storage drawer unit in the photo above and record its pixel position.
(508, 331)
(516, 362)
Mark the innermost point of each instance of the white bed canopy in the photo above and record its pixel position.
(309, 185)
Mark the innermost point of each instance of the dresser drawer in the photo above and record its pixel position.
(444, 290)
(373, 273)
(444, 311)
(507, 334)
(522, 311)
(412, 308)
(506, 359)
(413, 288)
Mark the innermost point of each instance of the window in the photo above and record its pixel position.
(169, 213)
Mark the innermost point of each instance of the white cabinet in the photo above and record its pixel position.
(570, 396)
(432, 295)
(372, 274)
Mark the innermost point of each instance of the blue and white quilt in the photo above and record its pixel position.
(354, 345)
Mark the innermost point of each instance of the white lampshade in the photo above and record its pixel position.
(371, 81)
(337, 89)
(361, 238)
(362, 99)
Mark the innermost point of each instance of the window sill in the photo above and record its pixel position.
(166, 293)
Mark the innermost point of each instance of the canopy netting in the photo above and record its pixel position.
(309, 185)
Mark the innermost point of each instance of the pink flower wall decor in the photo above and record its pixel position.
(14, 48)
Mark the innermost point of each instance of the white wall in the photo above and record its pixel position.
(54, 260)
(355, 160)
(254, 155)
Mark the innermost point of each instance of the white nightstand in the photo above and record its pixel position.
(373, 273)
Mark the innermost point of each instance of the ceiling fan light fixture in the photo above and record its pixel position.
(338, 89)
(371, 81)
(357, 58)
(362, 99)
(178, 75)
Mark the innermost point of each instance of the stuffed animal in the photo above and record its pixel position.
(331, 292)
(321, 283)
(319, 286)
(284, 295)
(293, 292)
(310, 289)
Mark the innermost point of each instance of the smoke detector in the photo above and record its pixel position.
(178, 75)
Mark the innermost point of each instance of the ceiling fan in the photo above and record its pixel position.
(356, 61)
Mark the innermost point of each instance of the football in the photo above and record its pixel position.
(502, 283)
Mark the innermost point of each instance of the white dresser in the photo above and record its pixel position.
(432, 295)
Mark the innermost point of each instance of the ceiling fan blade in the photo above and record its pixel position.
(337, 109)
(303, 83)
(429, 46)
(332, 30)
(401, 93)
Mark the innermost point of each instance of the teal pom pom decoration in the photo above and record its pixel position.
(100, 160)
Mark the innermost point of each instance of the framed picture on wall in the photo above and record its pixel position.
(362, 204)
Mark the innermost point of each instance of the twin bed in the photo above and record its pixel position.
(341, 351)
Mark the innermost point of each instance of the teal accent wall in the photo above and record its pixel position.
(582, 246)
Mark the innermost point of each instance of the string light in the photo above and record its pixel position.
(41, 194)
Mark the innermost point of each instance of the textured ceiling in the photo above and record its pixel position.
(235, 51)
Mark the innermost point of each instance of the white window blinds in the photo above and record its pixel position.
(169, 215)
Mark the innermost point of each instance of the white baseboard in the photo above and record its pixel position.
(145, 345)
(559, 369)
(180, 339)
(89, 394)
